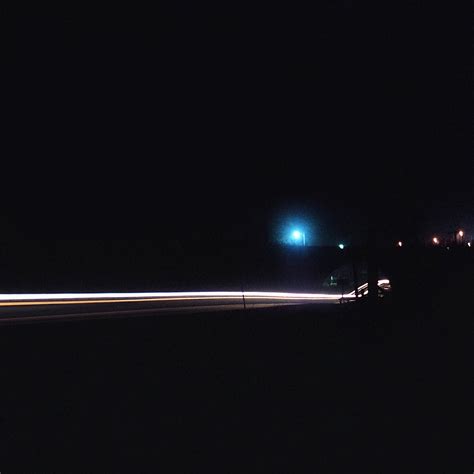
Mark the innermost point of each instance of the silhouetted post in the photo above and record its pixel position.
(243, 294)
(342, 281)
(372, 270)
(354, 277)
(242, 265)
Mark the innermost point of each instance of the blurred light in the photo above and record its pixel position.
(294, 228)
(399, 243)
(87, 298)
(460, 233)
(435, 240)
(299, 236)
(469, 244)
(341, 246)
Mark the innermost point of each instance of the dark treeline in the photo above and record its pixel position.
(143, 265)
(134, 265)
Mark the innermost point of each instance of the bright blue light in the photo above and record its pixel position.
(294, 229)
(299, 236)
(341, 246)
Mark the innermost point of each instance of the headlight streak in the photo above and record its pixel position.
(116, 297)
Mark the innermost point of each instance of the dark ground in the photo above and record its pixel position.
(326, 389)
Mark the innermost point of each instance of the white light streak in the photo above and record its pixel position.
(118, 297)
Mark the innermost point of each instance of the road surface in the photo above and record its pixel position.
(16, 308)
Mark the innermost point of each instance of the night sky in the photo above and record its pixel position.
(212, 122)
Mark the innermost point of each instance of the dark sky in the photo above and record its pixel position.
(207, 122)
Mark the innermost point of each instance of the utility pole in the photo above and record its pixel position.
(354, 277)
(372, 263)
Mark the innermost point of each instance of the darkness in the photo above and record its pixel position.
(160, 148)
(201, 123)
(318, 388)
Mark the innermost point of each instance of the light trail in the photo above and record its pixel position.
(117, 297)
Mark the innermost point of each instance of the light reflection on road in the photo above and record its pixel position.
(186, 296)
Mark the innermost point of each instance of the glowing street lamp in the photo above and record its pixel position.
(461, 233)
(341, 246)
(399, 243)
(435, 240)
(299, 236)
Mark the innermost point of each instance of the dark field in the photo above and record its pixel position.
(87, 266)
(325, 389)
